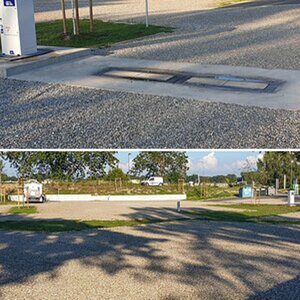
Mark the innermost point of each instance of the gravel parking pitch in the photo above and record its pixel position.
(36, 115)
(181, 260)
(264, 37)
(253, 34)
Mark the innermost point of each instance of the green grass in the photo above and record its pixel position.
(231, 2)
(23, 210)
(213, 192)
(105, 33)
(73, 225)
(251, 212)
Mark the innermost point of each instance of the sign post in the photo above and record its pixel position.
(147, 14)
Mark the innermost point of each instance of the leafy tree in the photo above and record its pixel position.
(171, 165)
(61, 165)
(116, 173)
(277, 164)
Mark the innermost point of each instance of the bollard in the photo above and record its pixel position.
(178, 206)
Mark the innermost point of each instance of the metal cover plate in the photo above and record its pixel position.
(138, 75)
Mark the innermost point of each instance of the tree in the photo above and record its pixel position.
(171, 165)
(277, 164)
(116, 173)
(61, 165)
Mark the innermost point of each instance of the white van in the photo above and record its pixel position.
(153, 181)
(33, 191)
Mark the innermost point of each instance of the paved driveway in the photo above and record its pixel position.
(185, 260)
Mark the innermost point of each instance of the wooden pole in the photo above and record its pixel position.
(63, 9)
(91, 16)
(77, 17)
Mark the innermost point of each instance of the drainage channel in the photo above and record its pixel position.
(213, 81)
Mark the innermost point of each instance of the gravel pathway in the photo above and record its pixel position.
(185, 260)
(34, 115)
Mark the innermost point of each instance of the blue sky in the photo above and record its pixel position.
(210, 162)
(206, 163)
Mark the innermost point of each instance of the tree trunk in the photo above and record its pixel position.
(77, 17)
(63, 9)
(91, 16)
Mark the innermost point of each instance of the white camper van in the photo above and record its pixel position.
(153, 181)
(33, 191)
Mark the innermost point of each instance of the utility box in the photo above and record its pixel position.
(17, 27)
(246, 192)
(291, 198)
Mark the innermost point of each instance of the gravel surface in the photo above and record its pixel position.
(110, 210)
(266, 36)
(185, 260)
(34, 115)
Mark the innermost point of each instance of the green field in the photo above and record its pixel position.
(105, 34)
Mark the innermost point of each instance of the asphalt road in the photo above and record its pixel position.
(180, 260)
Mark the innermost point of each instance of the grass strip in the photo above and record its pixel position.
(105, 34)
(73, 225)
(232, 2)
(23, 210)
(251, 213)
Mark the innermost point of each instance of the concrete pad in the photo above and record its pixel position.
(57, 55)
(82, 73)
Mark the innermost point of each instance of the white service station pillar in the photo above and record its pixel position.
(291, 198)
(17, 26)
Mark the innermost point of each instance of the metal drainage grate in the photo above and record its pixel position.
(213, 81)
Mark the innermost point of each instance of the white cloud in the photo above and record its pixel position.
(246, 164)
(208, 162)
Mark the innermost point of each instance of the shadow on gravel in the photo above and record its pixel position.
(287, 290)
(247, 37)
(229, 258)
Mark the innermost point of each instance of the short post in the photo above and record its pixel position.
(178, 206)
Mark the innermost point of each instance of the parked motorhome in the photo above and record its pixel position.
(33, 191)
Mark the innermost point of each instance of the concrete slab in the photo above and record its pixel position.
(82, 73)
(57, 55)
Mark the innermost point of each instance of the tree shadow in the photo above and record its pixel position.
(242, 259)
(286, 290)
(223, 36)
